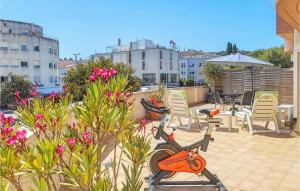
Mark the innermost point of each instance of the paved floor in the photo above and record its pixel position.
(244, 162)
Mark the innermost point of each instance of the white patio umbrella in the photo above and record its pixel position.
(240, 60)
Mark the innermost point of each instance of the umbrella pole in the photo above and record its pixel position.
(252, 80)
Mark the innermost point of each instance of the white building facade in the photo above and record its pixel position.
(190, 67)
(25, 51)
(152, 63)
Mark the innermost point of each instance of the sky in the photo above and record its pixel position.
(88, 26)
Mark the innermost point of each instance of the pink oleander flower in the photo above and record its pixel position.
(6, 120)
(142, 127)
(92, 78)
(53, 95)
(96, 71)
(104, 73)
(109, 94)
(21, 135)
(18, 95)
(10, 120)
(60, 149)
(6, 131)
(118, 94)
(38, 125)
(39, 116)
(71, 142)
(87, 137)
(34, 92)
(24, 101)
(11, 141)
(112, 72)
(2, 119)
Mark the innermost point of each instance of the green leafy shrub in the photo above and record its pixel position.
(75, 82)
(16, 84)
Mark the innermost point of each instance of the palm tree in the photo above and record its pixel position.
(213, 73)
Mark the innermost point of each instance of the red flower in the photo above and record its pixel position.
(108, 94)
(6, 131)
(6, 120)
(118, 94)
(39, 116)
(34, 92)
(53, 95)
(92, 78)
(87, 137)
(21, 135)
(24, 101)
(112, 72)
(104, 74)
(60, 150)
(71, 142)
(96, 71)
(11, 141)
(18, 95)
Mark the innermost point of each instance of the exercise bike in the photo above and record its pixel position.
(169, 157)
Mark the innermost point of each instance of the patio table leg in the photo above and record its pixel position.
(230, 122)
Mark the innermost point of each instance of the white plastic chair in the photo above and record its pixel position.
(178, 105)
(264, 109)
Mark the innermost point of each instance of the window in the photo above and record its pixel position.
(3, 79)
(50, 65)
(171, 65)
(173, 78)
(171, 55)
(164, 77)
(143, 65)
(24, 47)
(160, 65)
(54, 51)
(10, 30)
(36, 48)
(50, 50)
(143, 55)
(149, 78)
(24, 64)
(160, 54)
(37, 79)
(36, 66)
(129, 57)
(200, 64)
(4, 24)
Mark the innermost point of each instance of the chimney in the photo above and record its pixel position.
(119, 42)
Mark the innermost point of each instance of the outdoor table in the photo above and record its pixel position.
(232, 96)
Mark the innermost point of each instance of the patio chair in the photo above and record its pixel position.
(264, 109)
(223, 102)
(247, 100)
(178, 105)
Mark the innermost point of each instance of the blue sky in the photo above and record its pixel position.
(91, 25)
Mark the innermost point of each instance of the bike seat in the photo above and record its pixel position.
(210, 112)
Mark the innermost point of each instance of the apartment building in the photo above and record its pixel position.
(152, 63)
(25, 51)
(190, 67)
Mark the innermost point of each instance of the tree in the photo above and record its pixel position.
(229, 48)
(275, 55)
(213, 73)
(9, 88)
(75, 82)
(234, 49)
